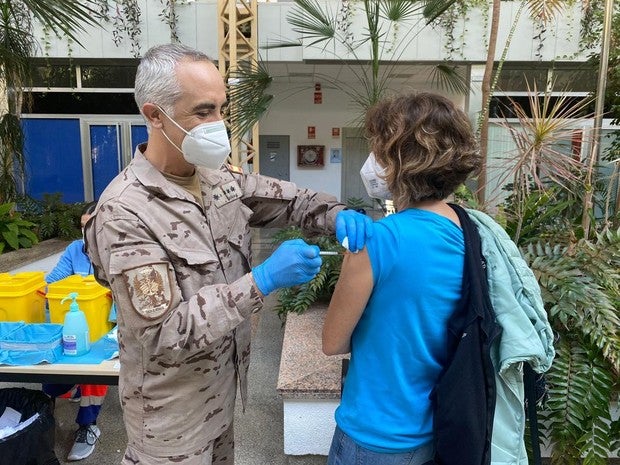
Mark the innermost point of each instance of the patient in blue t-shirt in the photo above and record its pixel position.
(393, 300)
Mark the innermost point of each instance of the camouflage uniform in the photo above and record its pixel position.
(181, 283)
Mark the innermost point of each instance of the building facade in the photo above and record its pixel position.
(83, 111)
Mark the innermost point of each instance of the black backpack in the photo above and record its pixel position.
(464, 397)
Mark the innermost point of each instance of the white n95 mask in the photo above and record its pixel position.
(375, 185)
(205, 145)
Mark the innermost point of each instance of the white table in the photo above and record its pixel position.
(105, 372)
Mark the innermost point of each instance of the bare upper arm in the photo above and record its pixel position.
(348, 302)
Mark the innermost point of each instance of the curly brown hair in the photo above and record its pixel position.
(426, 144)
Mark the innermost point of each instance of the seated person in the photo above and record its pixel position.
(75, 261)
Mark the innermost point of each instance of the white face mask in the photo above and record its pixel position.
(375, 185)
(205, 145)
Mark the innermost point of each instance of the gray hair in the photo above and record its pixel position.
(156, 80)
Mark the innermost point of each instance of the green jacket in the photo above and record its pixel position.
(526, 336)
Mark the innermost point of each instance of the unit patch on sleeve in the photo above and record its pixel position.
(149, 289)
(226, 193)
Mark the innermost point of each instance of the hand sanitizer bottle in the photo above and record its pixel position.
(75, 338)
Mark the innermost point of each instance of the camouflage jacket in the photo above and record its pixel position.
(180, 276)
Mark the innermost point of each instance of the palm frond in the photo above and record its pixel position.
(282, 44)
(248, 100)
(311, 20)
(573, 287)
(433, 9)
(546, 10)
(399, 10)
(64, 16)
(12, 161)
(299, 298)
(577, 411)
(16, 46)
(448, 78)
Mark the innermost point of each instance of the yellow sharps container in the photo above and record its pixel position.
(22, 296)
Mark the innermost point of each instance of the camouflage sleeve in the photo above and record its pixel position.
(276, 203)
(149, 297)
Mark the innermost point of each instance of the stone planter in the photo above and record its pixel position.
(22, 257)
(309, 383)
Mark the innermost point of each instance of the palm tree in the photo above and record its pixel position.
(17, 45)
(327, 30)
(542, 11)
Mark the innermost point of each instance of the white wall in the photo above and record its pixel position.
(309, 426)
(293, 110)
(414, 41)
(197, 27)
(292, 114)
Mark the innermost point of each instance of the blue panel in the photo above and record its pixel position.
(53, 158)
(104, 155)
(138, 135)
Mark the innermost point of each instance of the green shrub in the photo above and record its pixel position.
(53, 217)
(15, 232)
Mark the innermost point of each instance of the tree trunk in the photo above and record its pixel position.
(486, 100)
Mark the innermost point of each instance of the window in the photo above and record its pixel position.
(502, 106)
(61, 75)
(516, 80)
(104, 76)
(80, 103)
(519, 79)
(564, 78)
(55, 74)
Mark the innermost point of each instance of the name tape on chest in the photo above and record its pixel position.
(226, 193)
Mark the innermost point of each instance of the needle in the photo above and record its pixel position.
(330, 252)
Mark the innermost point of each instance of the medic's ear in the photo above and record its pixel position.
(153, 114)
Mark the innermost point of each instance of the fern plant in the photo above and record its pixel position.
(577, 264)
(580, 287)
(53, 217)
(298, 299)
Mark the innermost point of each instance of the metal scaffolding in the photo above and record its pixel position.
(238, 43)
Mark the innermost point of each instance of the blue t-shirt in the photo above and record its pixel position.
(72, 261)
(399, 346)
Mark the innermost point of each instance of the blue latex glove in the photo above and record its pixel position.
(355, 227)
(293, 262)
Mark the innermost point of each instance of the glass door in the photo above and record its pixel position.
(108, 147)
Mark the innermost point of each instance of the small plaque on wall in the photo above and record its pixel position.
(310, 155)
(335, 155)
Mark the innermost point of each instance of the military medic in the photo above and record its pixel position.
(171, 238)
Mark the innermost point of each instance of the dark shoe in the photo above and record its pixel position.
(84, 445)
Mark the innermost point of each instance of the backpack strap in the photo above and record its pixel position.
(529, 381)
(465, 393)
